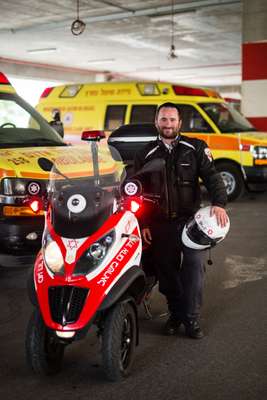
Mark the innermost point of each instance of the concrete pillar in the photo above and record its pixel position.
(254, 63)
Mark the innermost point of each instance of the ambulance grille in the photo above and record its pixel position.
(66, 303)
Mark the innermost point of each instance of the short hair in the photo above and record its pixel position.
(168, 105)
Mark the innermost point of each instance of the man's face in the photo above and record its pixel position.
(168, 122)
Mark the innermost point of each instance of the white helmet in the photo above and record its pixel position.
(202, 230)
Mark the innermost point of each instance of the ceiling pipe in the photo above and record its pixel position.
(148, 12)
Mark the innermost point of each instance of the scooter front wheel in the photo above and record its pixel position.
(119, 341)
(43, 352)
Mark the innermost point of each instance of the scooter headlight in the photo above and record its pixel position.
(53, 257)
(96, 253)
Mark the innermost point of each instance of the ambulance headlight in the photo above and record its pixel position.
(53, 257)
(260, 152)
(20, 187)
(95, 254)
(14, 186)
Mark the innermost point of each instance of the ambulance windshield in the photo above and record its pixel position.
(226, 118)
(22, 126)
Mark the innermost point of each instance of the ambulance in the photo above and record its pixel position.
(25, 136)
(240, 152)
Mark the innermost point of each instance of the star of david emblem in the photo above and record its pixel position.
(33, 188)
(72, 244)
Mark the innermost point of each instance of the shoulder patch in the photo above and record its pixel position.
(208, 154)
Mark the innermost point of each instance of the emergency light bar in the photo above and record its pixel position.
(46, 92)
(188, 91)
(191, 91)
(93, 135)
(3, 79)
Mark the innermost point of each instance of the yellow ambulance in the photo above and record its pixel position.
(25, 136)
(240, 152)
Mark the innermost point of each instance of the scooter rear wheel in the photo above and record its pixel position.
(43, 352)
(119, 341)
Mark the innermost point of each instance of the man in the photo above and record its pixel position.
(179, 269)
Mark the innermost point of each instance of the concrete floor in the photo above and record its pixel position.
(229, 363)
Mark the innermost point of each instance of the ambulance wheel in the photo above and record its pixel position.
(233, 180)
(44, 353)
(119, 341)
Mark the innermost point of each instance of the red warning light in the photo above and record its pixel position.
(36, 205)
(3, 79)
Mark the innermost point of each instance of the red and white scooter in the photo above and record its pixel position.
(88, 270)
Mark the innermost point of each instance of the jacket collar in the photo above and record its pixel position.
(170, 146)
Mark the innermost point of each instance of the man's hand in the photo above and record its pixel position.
(146, 234)
(221, 215)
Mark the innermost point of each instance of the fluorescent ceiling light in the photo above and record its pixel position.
(44, 50)
(103, 61)
(168, 15)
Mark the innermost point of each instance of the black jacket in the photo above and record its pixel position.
(178, 185)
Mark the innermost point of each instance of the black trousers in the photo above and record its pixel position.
(180, 270)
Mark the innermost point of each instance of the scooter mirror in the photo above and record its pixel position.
(45, 164)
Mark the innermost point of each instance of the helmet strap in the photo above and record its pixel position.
(210, 262)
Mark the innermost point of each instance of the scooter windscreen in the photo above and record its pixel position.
(82, 196)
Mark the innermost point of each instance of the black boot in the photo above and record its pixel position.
(172, 326)
(193, 330)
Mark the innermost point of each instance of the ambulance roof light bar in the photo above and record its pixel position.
(3, 79)
(46, 92)
(188, 91)
(192, 91)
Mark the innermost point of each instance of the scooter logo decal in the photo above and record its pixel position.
(40, 274)
(34, 188)
(76, 203)
(130, 188)
(72, 244)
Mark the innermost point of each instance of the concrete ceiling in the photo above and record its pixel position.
(123, 40)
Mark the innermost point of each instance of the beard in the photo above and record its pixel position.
(170, 134)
